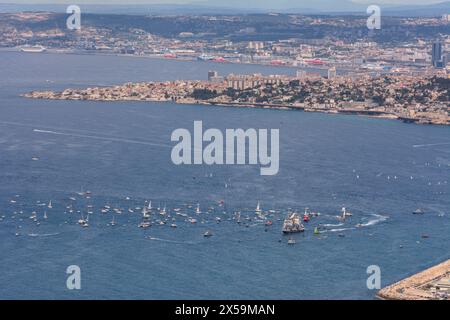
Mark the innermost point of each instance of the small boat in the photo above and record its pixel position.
(50, 204)
(208, 234)
(345, 213)
(197, 210)
(268, 223)
(193, 221)
(45, 215)
(144, 224)
(173, 225)
(258, 208)
(291, 241)
(418, 211)
(113, 222)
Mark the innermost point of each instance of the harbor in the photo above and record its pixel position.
(381, 171)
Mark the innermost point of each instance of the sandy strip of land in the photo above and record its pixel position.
(415, 287)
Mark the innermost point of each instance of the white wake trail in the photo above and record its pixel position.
(112, 139)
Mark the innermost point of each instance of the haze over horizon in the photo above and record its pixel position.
(326, 5)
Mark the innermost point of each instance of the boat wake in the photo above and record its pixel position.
(333, 225)
(339, 230)
(43, 235)
(170, 241)
(105, 138)
(430, 145)
(377, 219)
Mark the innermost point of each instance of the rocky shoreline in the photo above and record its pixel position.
(186, 92)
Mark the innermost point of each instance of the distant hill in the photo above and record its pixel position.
(242, 7)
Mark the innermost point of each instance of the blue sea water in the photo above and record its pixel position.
(381, 170)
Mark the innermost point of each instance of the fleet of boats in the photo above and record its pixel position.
(187, 214)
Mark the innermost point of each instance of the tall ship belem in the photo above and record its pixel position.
(292, 224)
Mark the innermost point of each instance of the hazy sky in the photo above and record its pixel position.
(291, 3)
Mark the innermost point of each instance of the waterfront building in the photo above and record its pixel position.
(332, 73)
(212, 74)
(437, 57)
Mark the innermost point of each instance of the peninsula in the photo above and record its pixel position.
(409, 98)
(431, 284)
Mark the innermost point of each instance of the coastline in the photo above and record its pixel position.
(286, 107)
(430, 284)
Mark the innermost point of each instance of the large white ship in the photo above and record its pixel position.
(34, 49)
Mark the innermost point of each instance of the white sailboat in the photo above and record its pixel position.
(345, 213)
(197, 210)
(50, 204)
(145, 214)
(258, 208)
(45, 215)
(149, 206)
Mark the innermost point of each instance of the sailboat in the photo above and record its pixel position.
(149, 207)
(113, 222)
(197, 210)
(238, 218)
(81, 193)
(258, 208)
(45, 215)
(345, 213)
(50, 204)
(145, 214)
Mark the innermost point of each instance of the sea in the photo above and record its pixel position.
(83, 156)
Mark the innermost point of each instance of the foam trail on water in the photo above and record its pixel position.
(42, 235)
(430, 145)
(378, 218)
(333, 225)
(339, 230)
(113, 139)
(169, 241)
